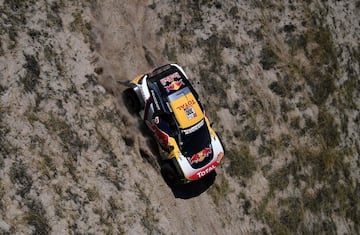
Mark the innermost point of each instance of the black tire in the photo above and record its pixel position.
(169, 174)
(131, 101)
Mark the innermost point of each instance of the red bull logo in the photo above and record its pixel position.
(174, 86)
(173, 82)
(200, 156)
(186, 104)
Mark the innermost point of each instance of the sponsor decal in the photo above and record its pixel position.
(173, 82)
(202, 173)
(162, 137)
(190, 112)
(206, 171)
(189, 103)
(193, 128)
(156, 102)
(200, 156)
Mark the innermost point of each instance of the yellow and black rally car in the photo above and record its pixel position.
(171, 109)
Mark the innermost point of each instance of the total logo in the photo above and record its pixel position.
(185, 105)
(206, 171)
(200, 156)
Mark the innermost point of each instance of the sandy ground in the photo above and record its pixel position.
(74, 161)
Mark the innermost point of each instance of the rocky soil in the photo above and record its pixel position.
(279, 80)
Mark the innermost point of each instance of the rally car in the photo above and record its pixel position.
(171, 109)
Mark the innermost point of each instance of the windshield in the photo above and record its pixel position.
(195, 139)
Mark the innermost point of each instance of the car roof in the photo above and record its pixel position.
(176, 90)
(169, 79)
(186, 108)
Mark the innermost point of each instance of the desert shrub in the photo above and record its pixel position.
(278, 89)
(324, 227)
(268, 58)
(36, 217)
(279, 179)
(321, 83)
(92, 193)
(2, 193)
(115, 207)
(1, 50)
(16, 5)
(337, 198)
(213, 47)
(70, 139)
(70, 164)
(295, 123)
(293, 214)
(219, 191)
(324, 53)
(249, 134)
(1, 163)
(353, 207)
(242, 164)
(115, 177)
(31, 78)
(53, 17)
(81, 26)
(327, 128)
(20, 177)
(325, 163)
(322, 73)
(150, 221)
(274, 223)
(214, 86)
(351, 86)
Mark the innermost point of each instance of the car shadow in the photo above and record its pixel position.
(195, 188)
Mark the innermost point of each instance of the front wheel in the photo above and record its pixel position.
(169, 174)
(131, 100)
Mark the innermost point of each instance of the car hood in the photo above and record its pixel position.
(201, 158)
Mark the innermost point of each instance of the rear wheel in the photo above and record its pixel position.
(169, 174)
(131, 100)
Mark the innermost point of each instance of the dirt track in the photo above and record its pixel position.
(278, 79)
(129, 45)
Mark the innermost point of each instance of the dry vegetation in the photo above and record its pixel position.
(280, 81)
